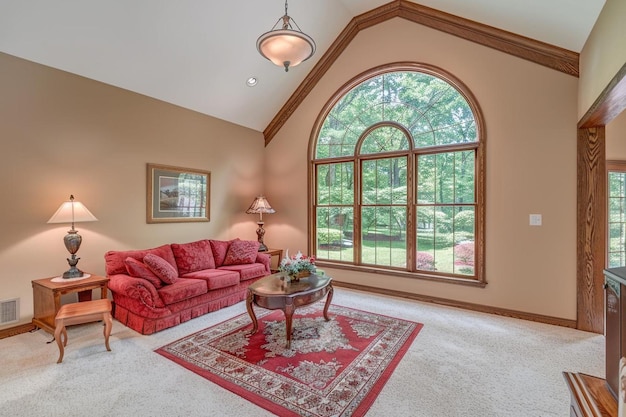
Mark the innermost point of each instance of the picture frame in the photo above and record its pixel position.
(176, 194)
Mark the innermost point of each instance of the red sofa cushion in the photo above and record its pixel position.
(215, 278)
(161, 268)
(193, 256)
(114, 260)
(246, 271)
(138, 269)
(182, 289)
(241, 252)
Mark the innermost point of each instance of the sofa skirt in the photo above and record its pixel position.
(173, 315)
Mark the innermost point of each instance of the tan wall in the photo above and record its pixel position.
(616, 138)
(62, 134)
(603, 55)
(530, 113)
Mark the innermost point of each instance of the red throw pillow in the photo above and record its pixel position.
(138, 269)
(194, 256)
(241, 252)
(161, 268)
(220, 248)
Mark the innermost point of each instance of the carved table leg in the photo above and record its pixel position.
(249, 307)
(329, 298)
(60, 334)
(289, 309)
(108, 324)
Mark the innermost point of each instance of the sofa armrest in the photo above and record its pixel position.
(264, 258)
(136, 288)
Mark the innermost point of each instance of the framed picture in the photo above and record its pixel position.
(177, 194)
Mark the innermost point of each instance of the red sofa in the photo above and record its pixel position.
(161, 287)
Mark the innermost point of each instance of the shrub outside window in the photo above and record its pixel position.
(397, 176)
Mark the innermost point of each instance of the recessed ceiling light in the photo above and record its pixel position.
(251, 82)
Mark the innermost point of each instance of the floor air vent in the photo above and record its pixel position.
(9, 311)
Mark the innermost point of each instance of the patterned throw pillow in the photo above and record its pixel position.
(161, 268)
(138, 269)
(241, 252)
(194, 256)
(220, 248)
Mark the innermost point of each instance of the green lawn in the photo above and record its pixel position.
(390, 254)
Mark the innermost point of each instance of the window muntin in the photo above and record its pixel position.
(414, 138)
(384, 139)
(616, 228)
(335, 211)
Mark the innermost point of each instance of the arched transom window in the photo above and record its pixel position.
(397, 176)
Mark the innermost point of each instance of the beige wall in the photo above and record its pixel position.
(62, 134)
(616, 138)
(603, 55)
(530, 114)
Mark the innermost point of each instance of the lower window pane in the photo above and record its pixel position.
(334, 234)
(445, 239)
(383, 236)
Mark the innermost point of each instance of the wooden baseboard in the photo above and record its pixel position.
(13, 331)
(461, 304)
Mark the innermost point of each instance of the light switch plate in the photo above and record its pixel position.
(535, 220)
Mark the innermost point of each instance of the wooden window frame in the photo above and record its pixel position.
(479, 147)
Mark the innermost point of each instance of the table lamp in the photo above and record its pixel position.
(260, 206)
(72, 212)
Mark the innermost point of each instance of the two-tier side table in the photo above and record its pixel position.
(274, 253)
(47, 294)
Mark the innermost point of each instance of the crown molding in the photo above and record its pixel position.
(520, 46)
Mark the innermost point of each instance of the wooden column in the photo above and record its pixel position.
(591, 228)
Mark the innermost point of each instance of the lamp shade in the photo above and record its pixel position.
(260, 205)
(72, 212)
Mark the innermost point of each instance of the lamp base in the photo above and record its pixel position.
(73, 272)
(260, 232)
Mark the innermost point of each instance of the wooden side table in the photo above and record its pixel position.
(47, 297)
(274, 253)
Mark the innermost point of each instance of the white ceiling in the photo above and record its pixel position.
(198, 53)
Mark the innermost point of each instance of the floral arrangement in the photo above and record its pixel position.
(297, 263)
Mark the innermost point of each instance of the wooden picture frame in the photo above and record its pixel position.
(177, 194)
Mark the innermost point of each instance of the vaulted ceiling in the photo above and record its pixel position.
(198, 54)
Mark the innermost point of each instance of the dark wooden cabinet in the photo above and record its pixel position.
(614, 323)
(592, 396)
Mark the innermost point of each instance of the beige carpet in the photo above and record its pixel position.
(465, 364)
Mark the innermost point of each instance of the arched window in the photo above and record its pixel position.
(398, 176)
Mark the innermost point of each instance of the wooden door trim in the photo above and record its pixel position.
(591, 213)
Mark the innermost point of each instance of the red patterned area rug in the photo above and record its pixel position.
(334, 368)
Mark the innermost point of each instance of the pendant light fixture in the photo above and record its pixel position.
(286, 47)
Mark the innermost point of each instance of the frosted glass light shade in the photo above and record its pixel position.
(286, 47)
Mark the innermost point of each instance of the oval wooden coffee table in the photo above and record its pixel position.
(277, 292)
